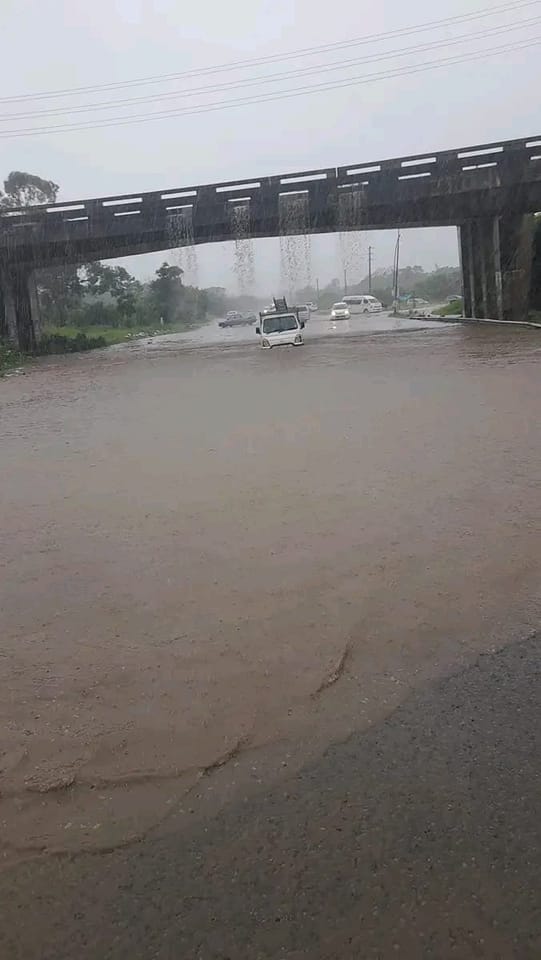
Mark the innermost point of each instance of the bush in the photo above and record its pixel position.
(9, 357)
(95, 314)
(453, 309)
(56, 343)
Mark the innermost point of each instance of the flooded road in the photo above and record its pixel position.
(319, 326)
(220, 561)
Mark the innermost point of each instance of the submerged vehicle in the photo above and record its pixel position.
(282, 327)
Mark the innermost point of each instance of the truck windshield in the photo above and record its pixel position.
(280, 324)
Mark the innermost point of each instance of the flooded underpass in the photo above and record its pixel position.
(218, 564)
(320, 326)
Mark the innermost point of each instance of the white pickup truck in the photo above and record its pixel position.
(281, 328)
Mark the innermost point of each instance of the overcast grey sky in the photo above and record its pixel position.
(63, 45)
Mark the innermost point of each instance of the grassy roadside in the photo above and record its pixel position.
(10, 358)
(70, 339)
(453, 309)
(113, 335)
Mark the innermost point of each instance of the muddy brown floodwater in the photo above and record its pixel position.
(211, 553)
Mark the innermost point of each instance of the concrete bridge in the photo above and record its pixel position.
(489, 191)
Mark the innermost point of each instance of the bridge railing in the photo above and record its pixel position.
(512, 160)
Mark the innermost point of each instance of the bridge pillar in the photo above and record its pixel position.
(496, 259)
(465, 249)
(22, 324)
(481, 275)
(516, 246)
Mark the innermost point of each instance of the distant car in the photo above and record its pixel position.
(363, 303)
(230, 321)
(236, 319)
(453, 297)
(340, 311)
(312, 306)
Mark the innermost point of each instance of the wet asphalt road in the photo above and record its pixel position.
(389, 808)
(416, 839)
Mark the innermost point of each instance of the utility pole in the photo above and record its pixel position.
(345, 282)
(370, 249)
(396, 285)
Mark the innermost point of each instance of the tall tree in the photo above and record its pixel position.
(113, 284)
(167, 292)
(26, 189)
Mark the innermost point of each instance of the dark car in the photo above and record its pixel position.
(235, 319)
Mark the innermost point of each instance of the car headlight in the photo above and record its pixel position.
(298, 338)
(265, 343)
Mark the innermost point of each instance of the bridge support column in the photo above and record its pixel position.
(481, 275)
(21, 323)
(516, 246)
(496, 258)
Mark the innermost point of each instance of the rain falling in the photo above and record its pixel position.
(350, 241)
(181, 234)
(244, 249)
(295, 247)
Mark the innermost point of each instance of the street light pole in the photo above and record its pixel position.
(396, 291)
(345, 282)
(370, 269)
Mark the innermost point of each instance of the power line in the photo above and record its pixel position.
(277, 77)
(274, 58)
(269, 98)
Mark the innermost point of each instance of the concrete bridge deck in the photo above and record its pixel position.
(486, 189)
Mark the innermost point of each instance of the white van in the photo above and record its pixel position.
(280, 329)
(363, 303)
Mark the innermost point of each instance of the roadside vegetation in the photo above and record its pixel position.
(432, 285)
(10, 359)
(453, 309)
(107, 302)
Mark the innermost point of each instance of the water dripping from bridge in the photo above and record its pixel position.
(350, 240)
(181, 234)
(244, 249)
(295, 246)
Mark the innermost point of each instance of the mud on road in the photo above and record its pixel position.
(208, 552)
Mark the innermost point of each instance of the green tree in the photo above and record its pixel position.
(60, 292)
(167, 292)
(26, 189)
(216, 301)
(115, 288)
